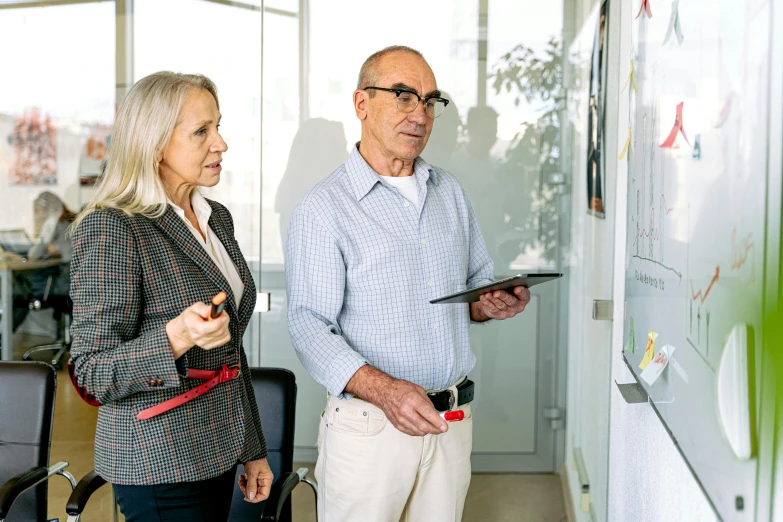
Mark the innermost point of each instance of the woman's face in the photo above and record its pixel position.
(193, 155)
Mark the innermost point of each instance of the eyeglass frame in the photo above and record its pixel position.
(400, 91)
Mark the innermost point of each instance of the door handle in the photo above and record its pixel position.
(602, 310)
(263, 300)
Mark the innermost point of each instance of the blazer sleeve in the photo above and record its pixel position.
(112, 357)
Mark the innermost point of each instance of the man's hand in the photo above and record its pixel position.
(405, 404)
(500, 304)
(257, 481)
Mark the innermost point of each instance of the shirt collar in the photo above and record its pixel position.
(363, 178)
(201, 208)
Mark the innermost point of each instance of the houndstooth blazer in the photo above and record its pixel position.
(130, 275)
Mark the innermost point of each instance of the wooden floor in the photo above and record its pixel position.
(492, 498)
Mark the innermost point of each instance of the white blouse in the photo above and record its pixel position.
(212, 245)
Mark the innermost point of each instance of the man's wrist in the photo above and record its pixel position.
(369, 383)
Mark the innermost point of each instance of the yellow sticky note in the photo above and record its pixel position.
(627, 146)
(633, 80)
(649, 353)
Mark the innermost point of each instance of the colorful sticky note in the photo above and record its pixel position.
(646, 8)
(674, 24)
(678, 127)
(696, 153)
(630, 344)
(649, 352)
(631, 80)
(627, 146)
(655, 368)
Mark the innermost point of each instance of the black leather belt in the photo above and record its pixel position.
(444, 400)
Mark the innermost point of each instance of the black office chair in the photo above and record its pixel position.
(27, 412)
(275, 391)
(63, 310)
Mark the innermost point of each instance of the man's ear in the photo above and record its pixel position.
(360, 104)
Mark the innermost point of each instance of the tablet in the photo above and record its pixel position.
(472, 295)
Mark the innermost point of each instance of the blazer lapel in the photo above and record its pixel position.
(223, 233)
(173, 226)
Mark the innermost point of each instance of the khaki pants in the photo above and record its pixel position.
(368, 471)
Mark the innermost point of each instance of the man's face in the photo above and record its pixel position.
(400, 135)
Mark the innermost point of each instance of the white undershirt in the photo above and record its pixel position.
(212, 245)
(406, 185)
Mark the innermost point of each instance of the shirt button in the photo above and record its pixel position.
(423, 241)
(160, 382)
(407, 204)
(430, 283)
(435, 325)
(153, 383)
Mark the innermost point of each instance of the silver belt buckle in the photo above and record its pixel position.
(452, 399)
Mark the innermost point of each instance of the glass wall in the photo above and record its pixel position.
(57, 95)
(224, 43)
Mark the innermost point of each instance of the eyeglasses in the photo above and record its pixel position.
(407, 101)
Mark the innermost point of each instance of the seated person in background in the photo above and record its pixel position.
(52, 219)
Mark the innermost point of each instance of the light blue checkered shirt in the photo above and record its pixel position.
(362, 264)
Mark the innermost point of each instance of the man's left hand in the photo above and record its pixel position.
(500, 304)
(257, 481)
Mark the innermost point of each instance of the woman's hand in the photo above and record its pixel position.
(194, 327)
(257, 481)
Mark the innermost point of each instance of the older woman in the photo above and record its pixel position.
(177, 407)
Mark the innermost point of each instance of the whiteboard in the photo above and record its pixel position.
(698, 86)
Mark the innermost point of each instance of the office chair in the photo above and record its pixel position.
(275, 391)
(63, 310)
(27, 412)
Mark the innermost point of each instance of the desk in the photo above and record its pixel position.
(7, 268)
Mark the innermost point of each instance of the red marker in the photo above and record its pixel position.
(452, 416)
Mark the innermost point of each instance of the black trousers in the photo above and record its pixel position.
(204, 501)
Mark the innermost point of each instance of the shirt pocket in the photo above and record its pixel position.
(360, 422)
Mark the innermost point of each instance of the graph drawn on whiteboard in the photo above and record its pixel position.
(649, 222)
(699, 317)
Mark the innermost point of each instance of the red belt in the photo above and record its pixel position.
(213, 378)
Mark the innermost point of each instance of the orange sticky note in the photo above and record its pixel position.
(649, 352)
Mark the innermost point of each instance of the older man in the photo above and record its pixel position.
(367, 249)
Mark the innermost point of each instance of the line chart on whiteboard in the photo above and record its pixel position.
(649, 222)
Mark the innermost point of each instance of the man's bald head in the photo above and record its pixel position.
(368, 75)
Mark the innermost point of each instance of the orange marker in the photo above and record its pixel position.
(218, 304)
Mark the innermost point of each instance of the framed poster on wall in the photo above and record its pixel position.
(596, 203)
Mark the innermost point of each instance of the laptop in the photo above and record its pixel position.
(15, 241)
